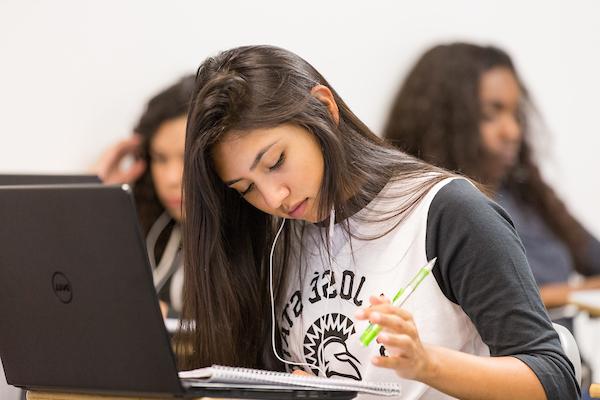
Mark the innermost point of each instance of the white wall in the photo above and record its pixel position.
(75, 73)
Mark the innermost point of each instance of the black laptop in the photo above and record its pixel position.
(78, 309)
(43, 179)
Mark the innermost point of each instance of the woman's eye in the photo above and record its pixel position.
(245, 192)
(158, 159)
(278, 163)
(488, 115)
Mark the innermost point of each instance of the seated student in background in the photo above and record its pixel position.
(279, 173)
(463, 107)
(158, 143)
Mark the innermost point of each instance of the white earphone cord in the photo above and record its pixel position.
(331, 226)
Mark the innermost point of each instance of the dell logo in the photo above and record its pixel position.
(62, 287)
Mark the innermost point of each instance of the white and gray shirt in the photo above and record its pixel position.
(481, 300)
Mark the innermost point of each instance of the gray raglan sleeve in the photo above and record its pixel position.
(482, 267)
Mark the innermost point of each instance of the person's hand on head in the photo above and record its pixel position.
(109, 168)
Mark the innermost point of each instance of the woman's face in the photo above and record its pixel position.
(277, 170)
(166, 163)
(500, 129)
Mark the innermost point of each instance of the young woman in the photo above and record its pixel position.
(463, 107)
(159, 143)
(287, 193)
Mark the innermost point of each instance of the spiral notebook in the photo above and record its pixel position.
(236, 376)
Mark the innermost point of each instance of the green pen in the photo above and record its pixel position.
(399, 299)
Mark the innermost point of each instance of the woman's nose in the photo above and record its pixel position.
(511, 129)
(175, 173)
(274, 195)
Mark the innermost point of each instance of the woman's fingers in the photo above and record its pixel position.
(375, 300)
(404, 354)
(399, 336)
(397, 363)
(133, 172)
(301, 373)
(399, 345)
(383, 308)
(400, 349)
(394, 323)
(108, 167)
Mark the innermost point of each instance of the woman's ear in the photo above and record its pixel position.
(324, 95)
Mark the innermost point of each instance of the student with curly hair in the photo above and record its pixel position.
(463, 107)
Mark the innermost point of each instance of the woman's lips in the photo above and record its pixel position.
(299, 209)
(174, 203)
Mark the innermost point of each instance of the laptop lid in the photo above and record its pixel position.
(26, 179)
(78, 310)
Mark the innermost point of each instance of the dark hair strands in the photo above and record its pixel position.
(436, 114)
(226, 240)
(171, 103)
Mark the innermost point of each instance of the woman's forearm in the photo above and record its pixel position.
(466, 376)
(557, 294)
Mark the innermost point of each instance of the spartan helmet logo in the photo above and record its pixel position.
(325, 347)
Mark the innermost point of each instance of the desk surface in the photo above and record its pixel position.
(33, 395)
(587, 300)
(595, 390)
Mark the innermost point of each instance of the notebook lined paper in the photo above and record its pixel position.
(221, 374)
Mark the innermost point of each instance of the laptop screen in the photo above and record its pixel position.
(23, 179)
(78, 308)
(77, 303)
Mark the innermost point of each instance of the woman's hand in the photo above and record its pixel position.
(300, 372)
(406, 354)
(108, 167)
(457, 374)
(164, 309)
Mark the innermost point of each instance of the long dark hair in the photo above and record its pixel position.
(226, 240)
(168, 104)
(436, 116)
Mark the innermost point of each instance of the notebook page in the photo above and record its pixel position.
(222, 374)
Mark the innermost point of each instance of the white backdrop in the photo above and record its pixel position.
(75, 73)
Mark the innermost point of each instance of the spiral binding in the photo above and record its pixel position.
(231, 374)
